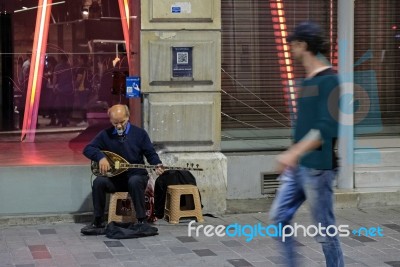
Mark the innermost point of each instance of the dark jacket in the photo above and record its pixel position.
(133, 146)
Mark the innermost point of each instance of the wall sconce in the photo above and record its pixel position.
(85, 11)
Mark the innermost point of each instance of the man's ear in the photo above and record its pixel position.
(304, 45)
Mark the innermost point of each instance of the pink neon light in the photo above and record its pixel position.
(333, 48)
(36, 70)
(124, 11)
(285, 61)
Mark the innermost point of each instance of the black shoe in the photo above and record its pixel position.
(142, 221)
(94, 229)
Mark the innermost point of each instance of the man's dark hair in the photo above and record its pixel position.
(310, 33)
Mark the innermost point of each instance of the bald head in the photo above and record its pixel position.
(118, 111)
(119, 117)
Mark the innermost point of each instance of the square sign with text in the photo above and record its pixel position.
(132, 87)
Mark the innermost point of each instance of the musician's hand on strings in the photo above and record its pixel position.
(104, 166)
(159, 169)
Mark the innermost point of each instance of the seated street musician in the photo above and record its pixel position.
(131, 143)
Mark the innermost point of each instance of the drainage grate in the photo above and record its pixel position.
(269, 183)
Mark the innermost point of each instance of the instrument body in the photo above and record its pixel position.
(119, 165)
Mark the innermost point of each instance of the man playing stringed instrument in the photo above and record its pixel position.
(131, 143)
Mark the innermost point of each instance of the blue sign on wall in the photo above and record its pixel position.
(133, 87)
(175, 9)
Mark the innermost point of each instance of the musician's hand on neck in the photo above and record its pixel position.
(159, 169)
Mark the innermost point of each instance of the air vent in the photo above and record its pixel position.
(269, 183)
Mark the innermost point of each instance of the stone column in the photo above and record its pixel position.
(181, 84)
(346, 73)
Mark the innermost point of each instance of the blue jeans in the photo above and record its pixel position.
(297, 185)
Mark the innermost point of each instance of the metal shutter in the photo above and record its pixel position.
(252, 92)
(377, 66)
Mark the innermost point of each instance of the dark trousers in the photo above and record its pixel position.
(134, 184)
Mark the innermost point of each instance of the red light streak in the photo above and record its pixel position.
(124, 11)
(36, 70)
(285, 61)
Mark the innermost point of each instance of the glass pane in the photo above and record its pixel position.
(80, 75)
(377, 64)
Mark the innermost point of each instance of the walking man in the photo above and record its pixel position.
(309, 166)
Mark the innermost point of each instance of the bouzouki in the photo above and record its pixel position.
(119, 165)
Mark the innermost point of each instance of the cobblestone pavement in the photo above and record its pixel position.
(61, 244)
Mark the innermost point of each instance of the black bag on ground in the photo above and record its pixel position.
(117, 230)
(172, 177)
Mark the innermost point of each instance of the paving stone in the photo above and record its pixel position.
(126, 257)
(351, 242)
(253, 257)
(356, 265)
(134, 263)
(180, 250)
(37, 255)
(348, 260)
(242, 250)
(392, 226)
(18, 263)
(103, 255)
(277, 259)
(240, 263)
(263, 264)
(113, 244)
(47, 231)
(186, 239)
(363, 238)
(232, 243)
(204, 252)
(393, 263)
(133, 244)
(119, 250)
(266, 252)
(304, 262)
(35, 248)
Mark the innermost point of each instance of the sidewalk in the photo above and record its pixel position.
(61, 244)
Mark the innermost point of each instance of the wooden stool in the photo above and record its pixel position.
(173, 210)
(121, 208)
